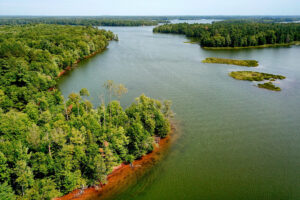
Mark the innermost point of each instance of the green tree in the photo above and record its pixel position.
(6, 192)
(109, 86)
(24, 175)
(75, 98)
(4, 169)
(42, 189)
(84, 92)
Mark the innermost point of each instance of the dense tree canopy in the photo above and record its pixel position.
(31, 57)
(85, 21)
(236, 34)
(51, 146)
(133, 20)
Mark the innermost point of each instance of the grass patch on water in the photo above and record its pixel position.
(254, 76)
(269, 86)
(247, 63)
(258, 76)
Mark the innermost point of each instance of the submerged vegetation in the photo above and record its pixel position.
(258, 76)
(269, 86)
(254, 76)
(240, 33)
(236, 34)
(51, 145)
(248, 63)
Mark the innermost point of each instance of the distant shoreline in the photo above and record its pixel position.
(254, 47)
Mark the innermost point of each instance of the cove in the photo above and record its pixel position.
(236, 141)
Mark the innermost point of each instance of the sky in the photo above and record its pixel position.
(149, 7)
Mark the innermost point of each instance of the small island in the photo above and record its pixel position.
(258, 76)
(254, 76)
(269, 85)
(247, 63)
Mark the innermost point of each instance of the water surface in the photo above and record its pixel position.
(195, 21)
(237, 141)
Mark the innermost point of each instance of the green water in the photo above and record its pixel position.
(236, 141)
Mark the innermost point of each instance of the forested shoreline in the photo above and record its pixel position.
(136, 20)
(83, 21)
(51, 145)
(236, 34)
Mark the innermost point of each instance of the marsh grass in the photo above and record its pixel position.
(269, 86)
(254, 76)
(247, 63)
(258, 76)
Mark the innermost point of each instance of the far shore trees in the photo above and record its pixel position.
(236, 34)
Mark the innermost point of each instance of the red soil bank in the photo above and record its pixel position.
(123, 175)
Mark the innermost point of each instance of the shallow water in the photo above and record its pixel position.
(237, 141)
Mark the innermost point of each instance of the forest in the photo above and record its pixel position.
(51, 145)
(229, 18)
(135, 20)
(236, 34)
(84, 21)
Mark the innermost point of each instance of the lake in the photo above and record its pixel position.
(236, 141)
(195, 21)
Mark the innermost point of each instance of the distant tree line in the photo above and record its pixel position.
(235, 34)
(134, 20)
(84, 21)
(51, 145)
(228, 18)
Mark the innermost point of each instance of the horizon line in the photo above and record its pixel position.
(246, 15)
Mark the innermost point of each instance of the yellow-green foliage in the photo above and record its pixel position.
(269, 86)
(248, 63)
(254, 76)
(51, 145)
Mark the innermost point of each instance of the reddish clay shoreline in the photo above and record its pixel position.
(68, 68)
(122, 175)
